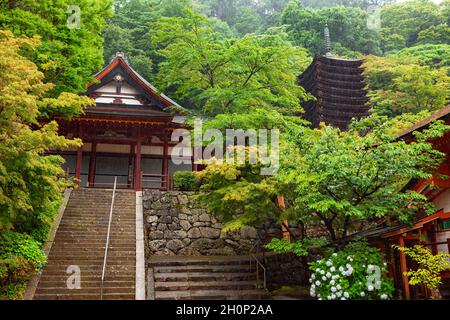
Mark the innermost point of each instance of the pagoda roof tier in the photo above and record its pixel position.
(339, 88)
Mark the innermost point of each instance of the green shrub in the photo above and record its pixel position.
(186, 181)
(20, 257)
(351, 274)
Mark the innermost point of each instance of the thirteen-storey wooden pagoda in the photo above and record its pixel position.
(339, 88)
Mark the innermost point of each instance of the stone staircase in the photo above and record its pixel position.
(204, 278)
(80, 241)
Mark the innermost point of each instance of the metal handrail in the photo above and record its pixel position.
(107, 236)
(258, 264)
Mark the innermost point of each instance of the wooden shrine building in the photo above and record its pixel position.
(432, 231)
(126, 135)
(339, 88)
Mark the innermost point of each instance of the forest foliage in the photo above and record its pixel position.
(235, 63)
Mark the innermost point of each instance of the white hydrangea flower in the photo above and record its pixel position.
(329, 263)
(329, 298)
(320, 298)
(348, 257)
(313, 294)
(310, 280)
(384, 296)
(333, 289)
(332, 282)
(348, 265)
(318, 270)
(343, 298)
(334, 254)
(313, 286)
(333, 296)
(362, 294)
(332, 269)
(346, 294)
(322, 272)
(339, 294)
(317, 283)
(324, 278)
(339, 287)
(341, 268)
(313, 276)
(328, 275)
(349, 271)
(370, 288)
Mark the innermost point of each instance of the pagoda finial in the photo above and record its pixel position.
(120, 54)
(326, 32)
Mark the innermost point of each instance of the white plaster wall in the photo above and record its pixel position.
(113, 148)
(443, 202)
(153, 150)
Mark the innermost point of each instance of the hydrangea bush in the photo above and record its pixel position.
(351, 274)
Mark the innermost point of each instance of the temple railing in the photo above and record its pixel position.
(106, 184)
(105, 257)
(157, 181)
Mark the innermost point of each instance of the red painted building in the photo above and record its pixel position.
(127, 134)
(432, 231)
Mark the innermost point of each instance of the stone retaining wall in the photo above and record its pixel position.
(285, 270)
(176, 225)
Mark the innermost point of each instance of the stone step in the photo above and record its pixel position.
(85, 272)
(84, 296)
(128, 230)
(203, 276)
(93, 258)
(94, 241)
(96, 289)
(198, 260)
(90, 265)
(205, 268)
(94, 224)
(89, 243)
(205, 285)
(105, 219)
(93, 277)
(212, 295)
(111, 283)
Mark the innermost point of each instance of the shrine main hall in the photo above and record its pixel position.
(126, 135)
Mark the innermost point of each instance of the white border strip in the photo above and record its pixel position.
(140, 254)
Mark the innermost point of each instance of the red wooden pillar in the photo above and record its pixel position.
(91, 177)
(130, 165)
(78, 165)
(284, 230)
(404, 269)
(433, 238)
(165, 163)
(137, 166)
(197, 155)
